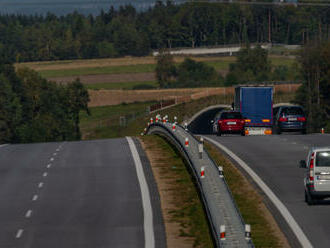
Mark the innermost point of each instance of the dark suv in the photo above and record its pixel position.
(289, 118)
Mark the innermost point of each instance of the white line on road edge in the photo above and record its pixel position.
(3, 145)
(278, 204)
(19, 233)
(147, 210)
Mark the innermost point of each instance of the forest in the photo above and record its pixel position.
(33, 109)
(125, 31)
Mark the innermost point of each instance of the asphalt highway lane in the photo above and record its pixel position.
(73, 194)
(275, 159)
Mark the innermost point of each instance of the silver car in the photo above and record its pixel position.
(317, 179)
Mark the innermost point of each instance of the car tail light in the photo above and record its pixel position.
(247, 120)
(242, 121)
(265, 120)
(311, 166)
(220, 121)
(301, 119)
(282, 119)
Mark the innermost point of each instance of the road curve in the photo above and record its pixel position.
(76, 194)
(275, 159)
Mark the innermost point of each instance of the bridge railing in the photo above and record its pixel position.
(227, 226)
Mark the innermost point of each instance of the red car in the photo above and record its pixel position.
(229, 122)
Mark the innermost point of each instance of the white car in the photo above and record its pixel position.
(317, 179)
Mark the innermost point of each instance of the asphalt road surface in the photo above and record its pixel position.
(74, 194)
(275, 159)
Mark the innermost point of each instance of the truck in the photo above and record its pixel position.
(256, 105)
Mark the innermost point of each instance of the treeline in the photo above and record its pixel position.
(127, 32)
(314, 94)
(35, 110)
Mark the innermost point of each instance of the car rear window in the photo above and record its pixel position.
(323, 159)
(231, 115)
(292, 111)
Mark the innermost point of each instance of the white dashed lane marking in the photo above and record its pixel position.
(19, 233)
(54, 153)
(35, 197)
(40, 185)
(49, 165)
(45, 174)
(28, 213)
(51, 159)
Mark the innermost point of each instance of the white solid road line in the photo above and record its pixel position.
(300, 235)
(3, 145)
(147, 209)
(19, 233)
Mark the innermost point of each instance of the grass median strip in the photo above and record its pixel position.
(264, 229)
(184, 217)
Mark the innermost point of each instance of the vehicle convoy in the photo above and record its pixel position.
(289, 118)
(317, 179)
(228, 122)
(255, 103)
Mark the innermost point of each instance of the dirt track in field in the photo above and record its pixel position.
(108, 78)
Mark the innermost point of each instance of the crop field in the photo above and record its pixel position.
(128, 69)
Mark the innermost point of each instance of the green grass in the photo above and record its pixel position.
(221, 64)
(104, 122)
(248, 202)
(120, 85)
(187, 208)
(99, 70)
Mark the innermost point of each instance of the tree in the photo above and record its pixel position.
(252, 64)
(165, 69)
(315, 90)
(196, 74)
(77, 99)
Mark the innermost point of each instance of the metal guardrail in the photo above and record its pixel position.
(219, 204)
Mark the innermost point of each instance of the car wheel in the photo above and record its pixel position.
(243, 133)
(303, 131)
(219, 133)
(309, 199)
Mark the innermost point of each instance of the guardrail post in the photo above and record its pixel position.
(151, 120)
(173, 127)
(185, 126)
(164, 119)
(202, 172)
(322, 130)
(220, 171)
(247, 232)
(202, 140)
(200, 150)
(222, 233)
(175, 120)
(186, 142)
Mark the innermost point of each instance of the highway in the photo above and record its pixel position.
(78, 194)
(275, 159)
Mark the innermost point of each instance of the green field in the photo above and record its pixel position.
(98, 70)
(122, 85)
(221, 64)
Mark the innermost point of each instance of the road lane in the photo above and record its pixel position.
(88, 195)
(275, 159)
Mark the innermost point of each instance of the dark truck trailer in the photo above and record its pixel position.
(256, 105)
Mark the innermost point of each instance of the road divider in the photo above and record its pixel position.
(219, 204)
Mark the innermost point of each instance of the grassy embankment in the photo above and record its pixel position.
(264, 231)
(104, 122)
(185, 221)
(127, 65)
